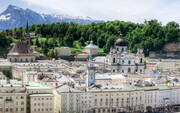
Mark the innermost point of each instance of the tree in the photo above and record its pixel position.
(37, 42)
(56, 53)
(68, 40)
(51, 53)
(7, 73)
(110, 42)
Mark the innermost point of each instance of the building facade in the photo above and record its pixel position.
(91, 49)
(64, 51)
(119, 60)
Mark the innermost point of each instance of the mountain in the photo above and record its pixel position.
(15, 16)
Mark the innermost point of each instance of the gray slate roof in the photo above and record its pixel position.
(67, 89)
(20, 48)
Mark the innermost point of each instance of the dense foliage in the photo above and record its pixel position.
(152, 35)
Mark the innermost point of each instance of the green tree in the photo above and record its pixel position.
(7, 73)
(37, 42)
(68, 40)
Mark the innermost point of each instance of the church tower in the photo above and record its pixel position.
(90, 77)
(140, 56)
(27, 38)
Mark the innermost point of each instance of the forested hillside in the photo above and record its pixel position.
(152, 35)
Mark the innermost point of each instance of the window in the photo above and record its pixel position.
(129, 62)
(22, 97)
(22, 103)
(129, 70)
(141, 60)
(122, 49)
(114, 60)
(122, 61)
(114, 70)
(22, 109)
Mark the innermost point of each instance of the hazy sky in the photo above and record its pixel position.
(126, 10)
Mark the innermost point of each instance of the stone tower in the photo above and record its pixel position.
(27, 38)
(140, 55)
(90, 77)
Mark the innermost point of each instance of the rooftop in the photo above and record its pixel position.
(36, 85)
(67, 89)
(163, 88)
(41, 95)
(91, 45)
(20, 48)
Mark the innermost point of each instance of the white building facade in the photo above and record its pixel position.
(119, 60)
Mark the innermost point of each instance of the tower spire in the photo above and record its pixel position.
(27, 28)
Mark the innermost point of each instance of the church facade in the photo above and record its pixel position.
(119, 60)
(21, 50)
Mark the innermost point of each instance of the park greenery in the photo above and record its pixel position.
(152, 35)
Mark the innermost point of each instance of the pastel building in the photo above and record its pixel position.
(113, 99)
(164, 96)
(12, 98)
(151, 98)
(42, 103)
(175, 95)
(70, 99)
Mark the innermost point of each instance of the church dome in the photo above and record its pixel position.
(121, 42)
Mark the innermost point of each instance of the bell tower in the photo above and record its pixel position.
(140, 55)
(27, 38)
(90, 77)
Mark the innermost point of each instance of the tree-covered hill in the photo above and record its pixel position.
(152, 35)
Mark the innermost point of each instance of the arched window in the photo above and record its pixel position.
(114, 70)
(26, 60)
(122, 61)
(122, 71)
(141, 60)
(129, 70)
(10, 60)
(129, 62)
(122, 49)
(114, 60)
(21, 60)
(31, 60)
(117, 49)
(15, 60)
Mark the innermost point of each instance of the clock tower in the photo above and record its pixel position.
(90, 77)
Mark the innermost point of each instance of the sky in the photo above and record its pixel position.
(125, 10)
